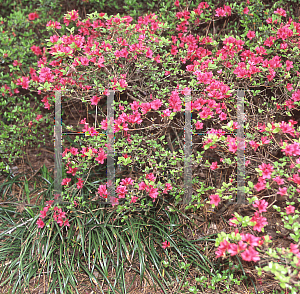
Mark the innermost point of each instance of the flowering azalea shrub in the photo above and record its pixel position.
(155, 67)
(23, 32)
(95, 57)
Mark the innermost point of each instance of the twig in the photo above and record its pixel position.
(47, 150)
(135, 98)
(20, 225)
(174, 130)
(171, 147)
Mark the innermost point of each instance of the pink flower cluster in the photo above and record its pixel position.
(122, 189)
(225, 11)
(53, 24)
(17, 63)
(166, 244)
(46, 102)
(258, 220)
(36, 50)
(33, 16)
(295, 250)
(245, 247)
(24, 82)
(266, 170)
(71, 16)
(292, 149)
(102, 191)
(59, 216)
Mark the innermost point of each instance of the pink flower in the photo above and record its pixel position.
(289, 87)
(153, 192)
(123, 83)
(43, 213)
(149, 53)
(156, 104)
(150, 177)
(80, 183)
(174, 50)
(50, 202)
(38, 117)
(40, 223)
(176, 3)
(290, 209)
(157, 58)
(235, 249)
(168, 186)
(231, 223)
(121, 190)
(199, 125)
(95, 100)
(65, 181)
(102, 191)
(36, 50)
(83, 121)
(127, 181)
(165, 244)
(259, 221)
(166, 113)
(220, 12)
(74, 151)
(33, 16)
(224, 245)
(142, 186)
(66, 223)
(289, 65)
(74, 14)
(101, 157)
(114, 201)
(280, 11)
(260, 186)
(133, 199)
(215, 199)
(186, 91)
(223, 116)
(282, 191)
(246, 10)
(294, 248)
(24, 82)
(214, 165)
(16, 63)
(250, 239)
(251, 35)
(227, 10)
(250, 255)
(53, 24)
(278, 180)
(261, 205)
(72, 170)
(265, 140)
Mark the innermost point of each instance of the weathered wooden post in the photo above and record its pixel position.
(188, 186)
(57, 147)
(111, 150)
(240, 148)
